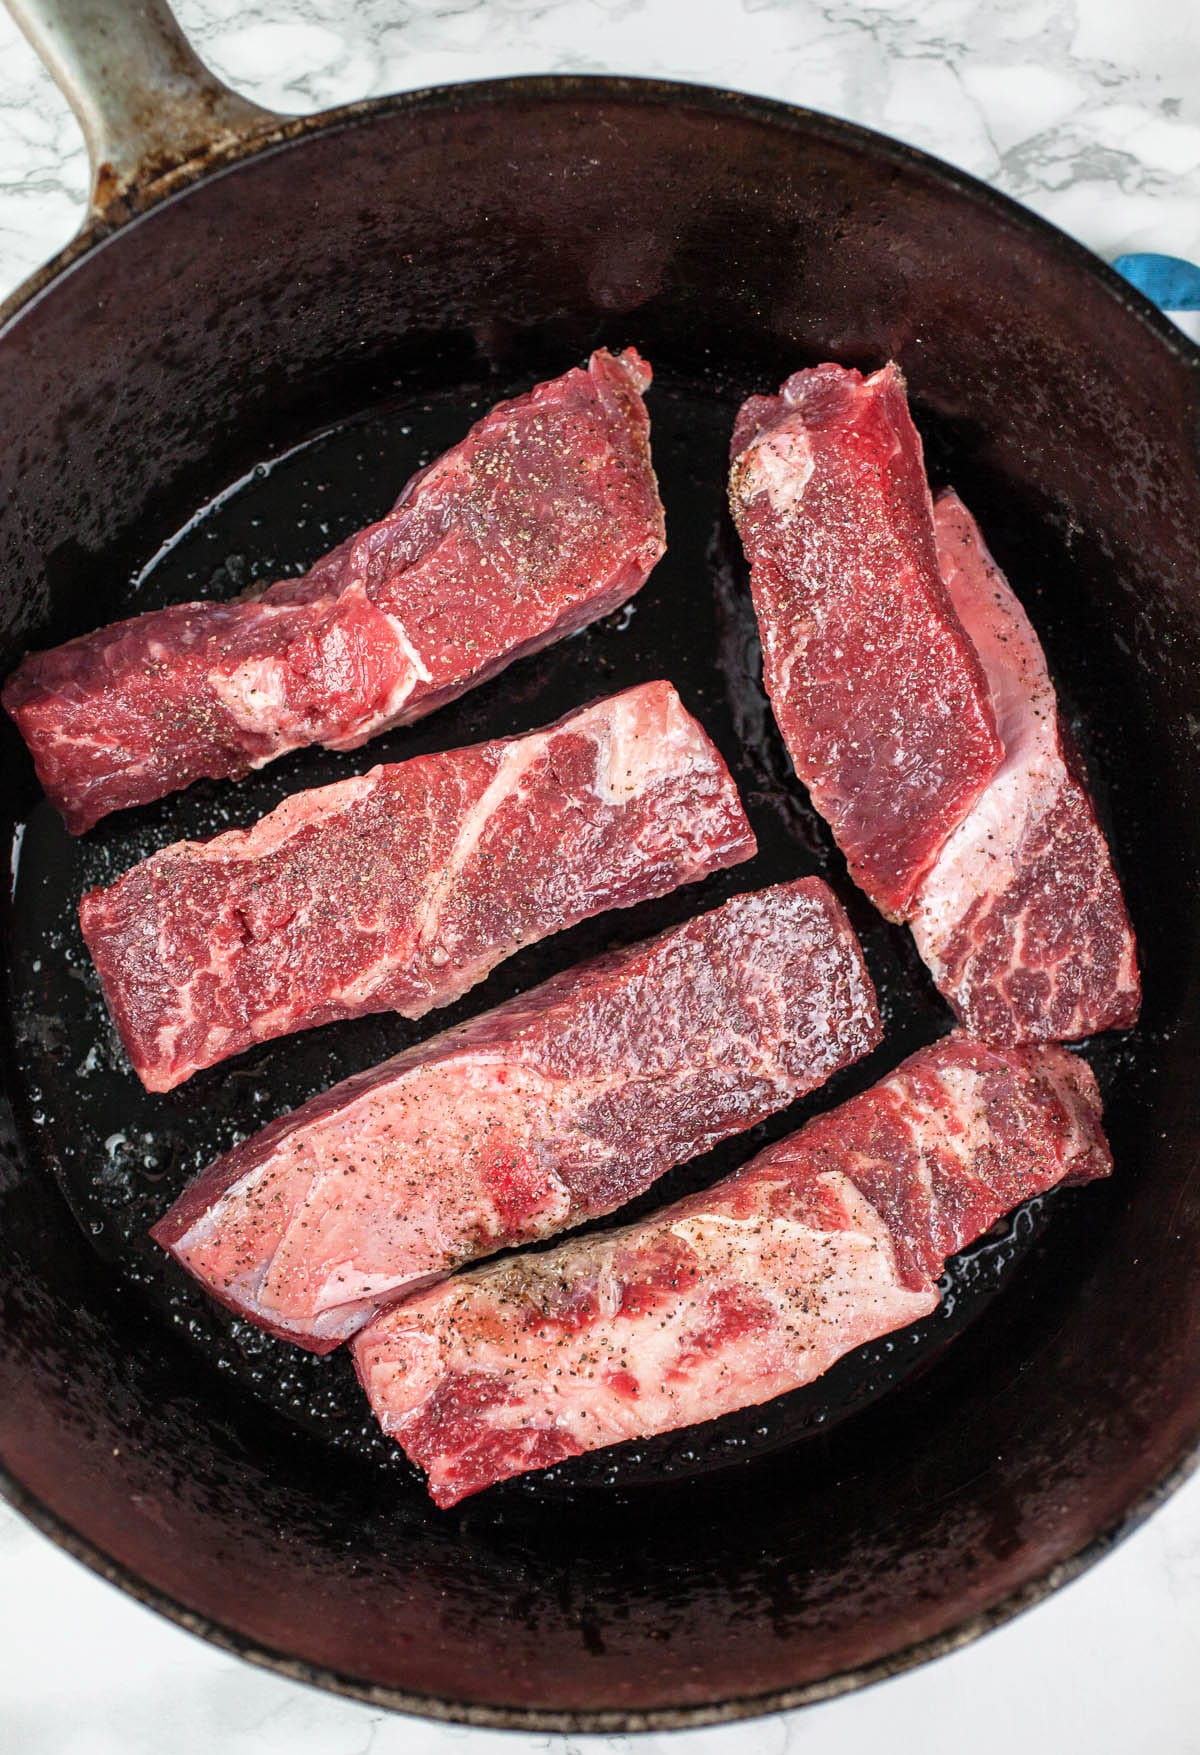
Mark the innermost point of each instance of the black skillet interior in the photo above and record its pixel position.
(224, 391)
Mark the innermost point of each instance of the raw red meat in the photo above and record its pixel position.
(561, 1105)
(879, 694)
(736, 1294)
(1021, 920)
(546, 516)
(400, 889)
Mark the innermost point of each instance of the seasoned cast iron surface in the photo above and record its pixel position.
(121, 1155)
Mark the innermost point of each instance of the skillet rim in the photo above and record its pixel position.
(99, 229)
(96, 233)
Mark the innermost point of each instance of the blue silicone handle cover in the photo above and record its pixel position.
(1170, 282)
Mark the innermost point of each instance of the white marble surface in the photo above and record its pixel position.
(1090, 112)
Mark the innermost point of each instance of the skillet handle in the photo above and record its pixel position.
(150, 110)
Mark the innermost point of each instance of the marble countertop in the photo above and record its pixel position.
(1087, 110)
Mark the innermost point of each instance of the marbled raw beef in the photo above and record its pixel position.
(1021, 918)
(399, 890)
(543, 518)
(559, 1106)
(755, 1286)
(879, 694)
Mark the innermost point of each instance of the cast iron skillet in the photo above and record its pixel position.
(247, 351)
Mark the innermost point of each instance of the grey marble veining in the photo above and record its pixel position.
(1089, 112)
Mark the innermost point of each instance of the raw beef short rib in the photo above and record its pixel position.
(558, 1106)
(914, 698)
(399, 890)
(730, 1297)
(545, 517)
(879, 694)
(1021, 919)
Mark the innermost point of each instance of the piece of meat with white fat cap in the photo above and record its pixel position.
(559, 1106)
(831, 1238)
(1021, 919)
